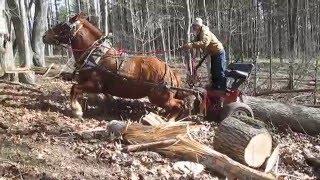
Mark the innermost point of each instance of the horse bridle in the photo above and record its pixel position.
(73, 27)
(73, 30)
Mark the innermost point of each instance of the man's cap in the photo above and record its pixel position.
(198, 22)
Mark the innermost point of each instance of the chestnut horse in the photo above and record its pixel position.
(108, 74)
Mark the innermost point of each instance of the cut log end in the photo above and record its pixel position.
(258, 149)
(244, 139)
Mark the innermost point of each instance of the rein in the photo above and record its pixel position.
(120, 51)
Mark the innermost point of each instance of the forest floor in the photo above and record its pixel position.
(37, 139)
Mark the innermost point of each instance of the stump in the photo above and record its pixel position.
(244, 139)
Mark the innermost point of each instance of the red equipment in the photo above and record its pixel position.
(217, 105)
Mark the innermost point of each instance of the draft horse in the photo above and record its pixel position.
(102, 71)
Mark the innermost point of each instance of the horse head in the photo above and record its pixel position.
(77, 32)
(76, 29)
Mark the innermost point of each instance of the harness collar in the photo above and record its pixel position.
(95, 53)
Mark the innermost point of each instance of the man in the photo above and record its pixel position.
(212, 47)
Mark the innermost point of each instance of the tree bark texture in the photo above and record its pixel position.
(284, 116)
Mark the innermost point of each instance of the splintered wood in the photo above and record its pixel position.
(173, 139)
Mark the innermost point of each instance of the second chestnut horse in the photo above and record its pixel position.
(105, 74)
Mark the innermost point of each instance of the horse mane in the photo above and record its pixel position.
(97, 32)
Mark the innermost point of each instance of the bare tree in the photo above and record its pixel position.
(292, 19)
(39, 27)
(21, 31)
(105, 16)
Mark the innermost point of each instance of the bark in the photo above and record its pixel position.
(39, 28)
(270, 35)
(241, 36)
(168, 48)
(187, 31)
(218, 16)
(243, 139)
(6, 51)
(132, 15)
(163, 41)
(283, 91)
(283, 116)
(105, 16)
(205, 12)
(78, 6)
(292, 19)
(21, 32)
(49, 48)
(229, 31)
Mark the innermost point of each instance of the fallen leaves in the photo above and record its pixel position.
(40, 123)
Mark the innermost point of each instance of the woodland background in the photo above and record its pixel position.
(283, 31)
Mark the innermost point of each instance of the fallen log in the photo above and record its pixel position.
(283, 91)
(192, 150)
(244, 139)
(283, 116)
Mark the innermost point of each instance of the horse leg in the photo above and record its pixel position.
(167, 101)
(176, 107)
(76, 108)
(77, 90)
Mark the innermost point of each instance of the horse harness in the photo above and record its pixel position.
(99, 48)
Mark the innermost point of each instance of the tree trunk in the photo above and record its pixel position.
(283, 116)
(49, 24)
(132, 15)
(280, 40)
(187, 31)
(21, 31)
(6, 49)
(218, 16)
(168, 48)
(244, 139)
(205, 12)
(292, 19)
(39, 28)
(241, 36)
(270, 43)
(163, 40)
(105, 16)
(78, 6)
(230, 32)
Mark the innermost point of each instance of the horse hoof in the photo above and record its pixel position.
(78, 114)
